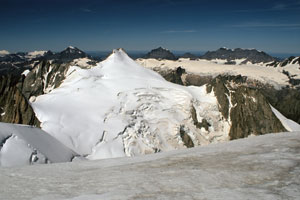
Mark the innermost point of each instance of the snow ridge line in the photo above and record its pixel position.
(3, 141)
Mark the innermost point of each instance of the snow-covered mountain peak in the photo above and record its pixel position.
(119, 64)
(127, 110)
(71, 49)
(3, 52)
(119, 54)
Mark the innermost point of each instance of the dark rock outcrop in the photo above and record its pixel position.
(244, 102)
(286, 101)
(43, 78)
(203, 124)
(251, 55)
(14, 57)
(14, 107)
(186, 139)
(251, 114)
(46, 72)
(161, 53)
(247, 108)
(290, 60)
(173, 76)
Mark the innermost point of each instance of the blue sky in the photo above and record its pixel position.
(187, 25)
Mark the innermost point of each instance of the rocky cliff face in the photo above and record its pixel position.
(286, 101)
(43, 78)
(161, 53)
(246, 108)
(250, 55)
(44, 72)
(241, 101)
(14, 107)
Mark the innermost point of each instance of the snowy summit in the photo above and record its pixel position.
(127, 110)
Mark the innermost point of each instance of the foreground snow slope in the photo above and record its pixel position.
(118, 108)
(262, 167)
(23, 145)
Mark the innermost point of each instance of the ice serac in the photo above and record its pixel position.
(25, 145)
(119, 108)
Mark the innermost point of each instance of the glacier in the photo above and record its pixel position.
(118, 108)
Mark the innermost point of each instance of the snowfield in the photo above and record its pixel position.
(262, 167)
(24, 145)
(118, 108)
(267, 75)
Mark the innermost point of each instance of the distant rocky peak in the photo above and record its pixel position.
(68, 55)
(71, 49)
(161, 53)
(250, 55)
(162, 49)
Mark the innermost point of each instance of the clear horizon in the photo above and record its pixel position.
(176, 52)
(190, 25)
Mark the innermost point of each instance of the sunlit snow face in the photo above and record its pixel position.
(123, 106)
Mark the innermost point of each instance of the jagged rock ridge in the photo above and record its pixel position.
(250, 55)
(247, 108)
(23, 77)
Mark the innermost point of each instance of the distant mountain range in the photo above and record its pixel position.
(16, 63)
(249, 55)
(119, 108)
(230, 55)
